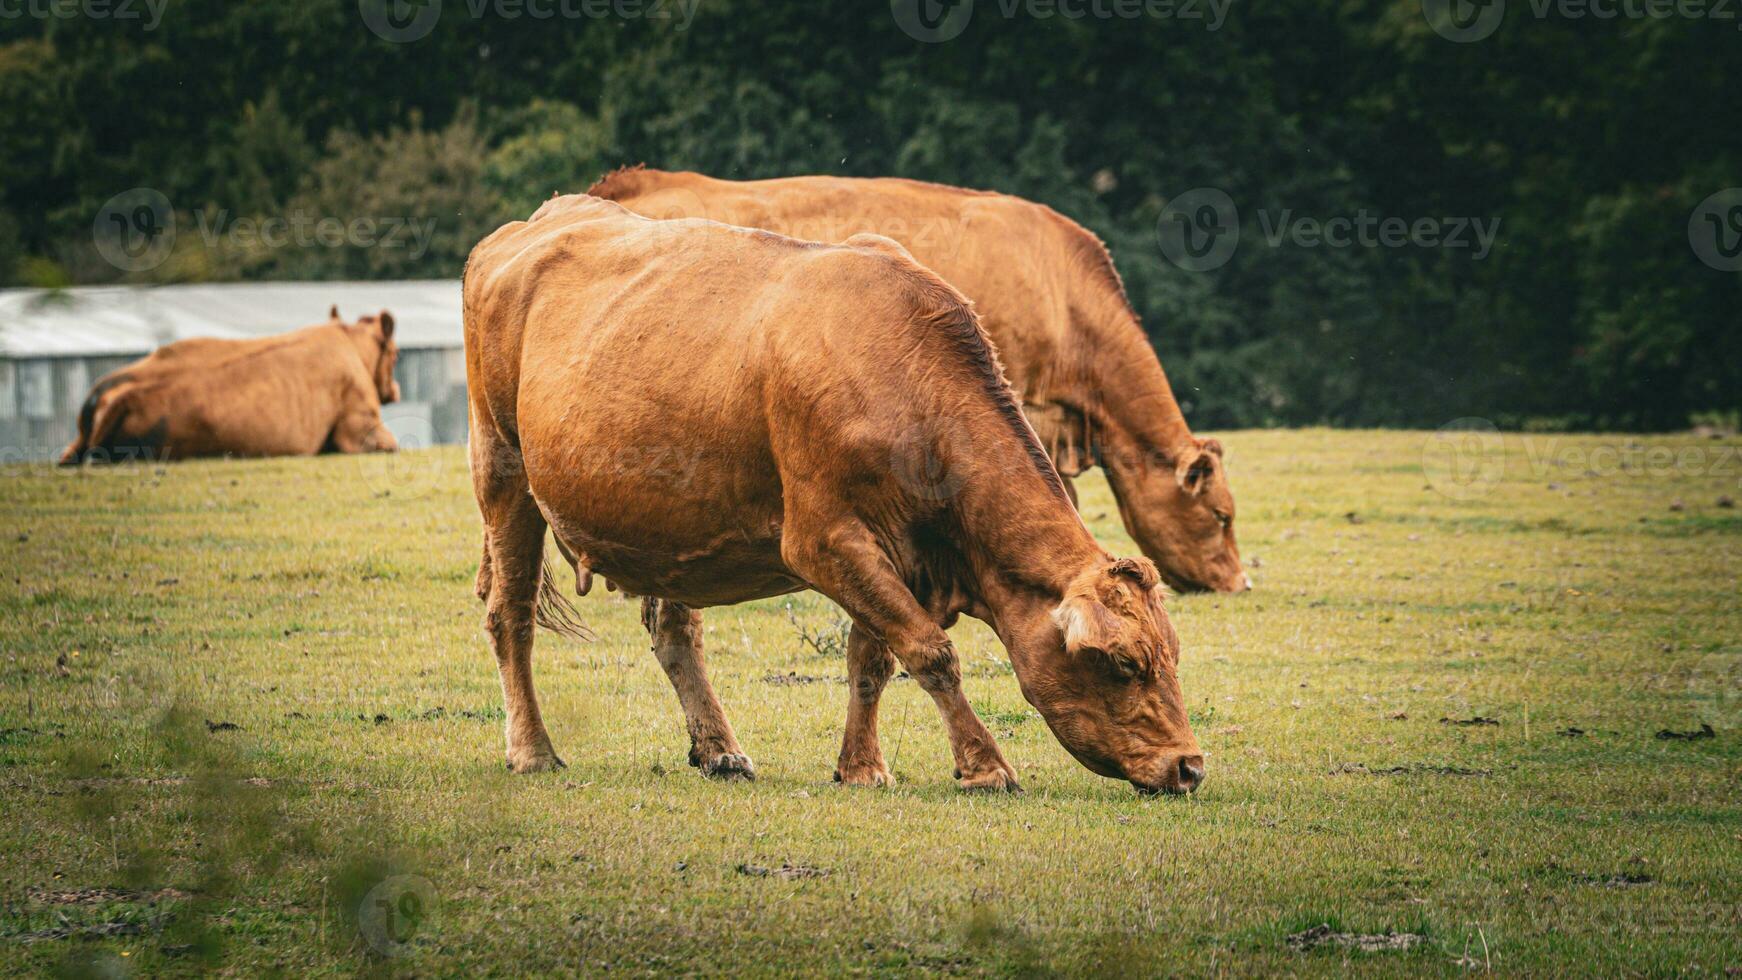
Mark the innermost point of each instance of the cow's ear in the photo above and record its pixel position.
(1140, 571)
(334, 313)
(1213, 446)
(1193, 471)
(1093, 630)
(386, 326)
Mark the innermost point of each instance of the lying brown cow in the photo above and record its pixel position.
(318, 389)
(1050, 298)
(844, 427)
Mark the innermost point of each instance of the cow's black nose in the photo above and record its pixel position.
(1191, 772)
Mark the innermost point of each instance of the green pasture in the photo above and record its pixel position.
(249, 724)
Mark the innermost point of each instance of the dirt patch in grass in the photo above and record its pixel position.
(95, 930)
(793, 678)
(1378, 942)
(9, 736)
(1626, 879)
(1412, 768)
(788, 872)
(103, 896)
(1671, 735)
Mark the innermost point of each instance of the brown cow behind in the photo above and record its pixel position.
(705, 415)
(318, 389)
(1054, 306)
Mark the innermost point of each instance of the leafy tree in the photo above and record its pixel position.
(1588, 140)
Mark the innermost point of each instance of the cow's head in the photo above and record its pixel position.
(1179, 510)
(1109, 685)
(373, 336)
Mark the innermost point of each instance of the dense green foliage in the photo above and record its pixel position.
(1589, 140)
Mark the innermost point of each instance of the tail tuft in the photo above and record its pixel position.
(555, 612)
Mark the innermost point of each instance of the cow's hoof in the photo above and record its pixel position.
(864, 776)
(531, 761)
(729, 766)
(991, 781)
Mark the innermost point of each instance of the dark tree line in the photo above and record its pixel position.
(1585, 144)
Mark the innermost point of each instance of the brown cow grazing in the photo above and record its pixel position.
(1048, 294)
(318, 389)
(706, 414)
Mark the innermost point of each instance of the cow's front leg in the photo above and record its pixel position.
(842, 560)
(869, 664)
(677, 643)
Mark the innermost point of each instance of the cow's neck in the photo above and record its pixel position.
(1118, 386)
(368, 350)
(1025, 543)
(1028, 546)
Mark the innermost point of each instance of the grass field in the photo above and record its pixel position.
(242, 701)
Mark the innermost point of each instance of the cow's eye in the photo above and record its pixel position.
(1223, 519)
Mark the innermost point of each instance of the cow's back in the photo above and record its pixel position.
(1020, 262)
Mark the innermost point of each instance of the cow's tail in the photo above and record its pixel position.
(99, 417)
(555, 612)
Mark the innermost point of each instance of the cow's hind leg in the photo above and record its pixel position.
(482, 585)
(869, 664)
(677, 643)
(513, 552)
